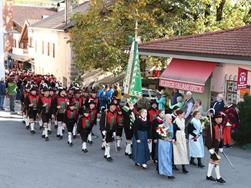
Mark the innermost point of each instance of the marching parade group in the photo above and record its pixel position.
(169, 139)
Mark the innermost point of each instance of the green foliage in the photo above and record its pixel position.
(243, 133)
(100, 37)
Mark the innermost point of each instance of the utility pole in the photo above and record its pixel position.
(2, 68)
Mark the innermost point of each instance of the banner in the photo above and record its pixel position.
(242, 78)
(133, 80)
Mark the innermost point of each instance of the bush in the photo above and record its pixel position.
(242, 133)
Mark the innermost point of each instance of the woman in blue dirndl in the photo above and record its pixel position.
(165, 150)
(140, 140)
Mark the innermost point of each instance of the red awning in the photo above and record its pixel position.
(188, 75)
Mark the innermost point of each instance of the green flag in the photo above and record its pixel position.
(133, 84)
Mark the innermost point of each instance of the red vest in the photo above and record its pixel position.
(34, 100)
(93, 115)
(120, 120)
(111, 119)
(78, 102)
(71, 114)
(218, 132)
(62, 102)
(46, 100)
(152, 114)
(86, 123)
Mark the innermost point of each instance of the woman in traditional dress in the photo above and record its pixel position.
(140, 140)
(165, 134)
(179, 143)
(196, 145)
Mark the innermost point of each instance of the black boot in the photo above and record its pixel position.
(221, 180)
(192, 162)
(175, 168)
(210, 178)
(200, 163)
(184, 170)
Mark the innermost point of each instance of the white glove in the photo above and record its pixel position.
(103, 133)
(221, 150)
(211, 151)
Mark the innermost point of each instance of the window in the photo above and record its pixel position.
(35, 46)
(53, 50)
(30, 42)
(14, 43)
(48, 49)
(42, 47)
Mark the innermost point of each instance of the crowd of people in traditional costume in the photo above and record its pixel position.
(170, 138)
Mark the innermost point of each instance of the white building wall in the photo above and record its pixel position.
(47, 64)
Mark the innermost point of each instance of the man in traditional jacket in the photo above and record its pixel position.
(107, 125)
(31, 103)
(214, 142)
(45, 106)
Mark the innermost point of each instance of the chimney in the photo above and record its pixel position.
(68, 10)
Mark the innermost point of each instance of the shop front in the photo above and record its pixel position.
(206, 64)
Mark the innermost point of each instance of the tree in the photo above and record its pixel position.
(243, 132)
(100, 37)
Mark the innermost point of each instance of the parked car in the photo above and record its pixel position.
(147, 96)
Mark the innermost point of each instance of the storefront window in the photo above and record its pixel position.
(231, 91)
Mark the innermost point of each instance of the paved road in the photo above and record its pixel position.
(28, 161)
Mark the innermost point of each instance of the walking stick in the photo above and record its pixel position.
(228, 160)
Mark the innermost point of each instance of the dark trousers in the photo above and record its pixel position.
(12, 103)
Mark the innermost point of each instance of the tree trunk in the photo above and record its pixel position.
(219, 11)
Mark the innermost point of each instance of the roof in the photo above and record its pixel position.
(57, 21)
(23, 13)
(233, 42)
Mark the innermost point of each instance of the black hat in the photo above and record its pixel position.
(61, 89)
(45, 88)
(93, 91)
(76, 90)
(71, 104)
(219, 115)
(27, 86)
(113, 104)
(33, 88)
(153, 102)
(84, 111)
(92, 102)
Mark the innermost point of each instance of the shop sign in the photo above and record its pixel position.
(242, 78)
(182, 86)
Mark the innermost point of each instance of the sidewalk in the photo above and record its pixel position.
(7, 114)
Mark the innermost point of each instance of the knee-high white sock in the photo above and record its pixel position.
(70, 137)
(84, 145)
(210, 169)
(43, 133)
(107, 150)
(61, 130)
(103, 143)
(150, 147)
(32, 125)
(118, 141)
(74, 130)
(55, 122)
(46, 132)
(217, 171)
(59, 127)
(90, 137)
(128, 148)
(40, 123)
(49, 126)
(27, 123)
